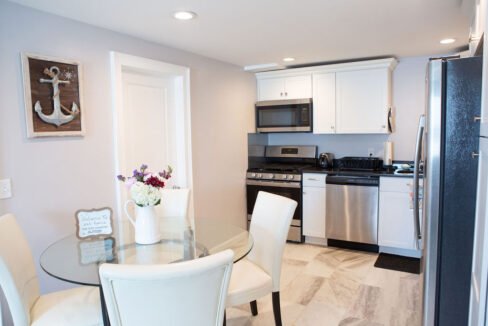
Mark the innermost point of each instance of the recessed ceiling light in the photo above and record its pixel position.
(184, 15)
(288, 59)
(448, 41)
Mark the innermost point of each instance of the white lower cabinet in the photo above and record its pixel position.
(396, 232)
(314, 206)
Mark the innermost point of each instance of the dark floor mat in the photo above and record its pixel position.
(398, 263)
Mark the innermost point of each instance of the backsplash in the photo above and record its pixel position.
(339, 145)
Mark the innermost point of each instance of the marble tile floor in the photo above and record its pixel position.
(327, 286)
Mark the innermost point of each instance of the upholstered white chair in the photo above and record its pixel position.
(187, 293)
(174, 202)
(259, 273)
(18, 280)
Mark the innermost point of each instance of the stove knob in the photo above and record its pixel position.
(259, 175)
(253, 175)
(283, 176)
(270, 176)
(290, 176)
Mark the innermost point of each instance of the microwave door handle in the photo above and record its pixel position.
(416, 179)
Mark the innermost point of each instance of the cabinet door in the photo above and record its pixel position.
(363, 100)
(271, 89)
(479, 280)
(297, 87)
(484, 94)
(324, 103)
(314, 212)
(396, 225)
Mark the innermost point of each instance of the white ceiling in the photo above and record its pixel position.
(248, 32)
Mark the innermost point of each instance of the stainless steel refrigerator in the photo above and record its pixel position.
(447, 144)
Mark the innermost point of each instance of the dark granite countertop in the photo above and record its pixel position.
(382, 173)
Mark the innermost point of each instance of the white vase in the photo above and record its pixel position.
(146, 224)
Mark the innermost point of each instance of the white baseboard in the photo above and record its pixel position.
(316, 241)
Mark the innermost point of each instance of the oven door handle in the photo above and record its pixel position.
(273, 184)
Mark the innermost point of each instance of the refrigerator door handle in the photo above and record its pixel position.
(416, 179)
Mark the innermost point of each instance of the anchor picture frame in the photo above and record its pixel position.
(53, 94)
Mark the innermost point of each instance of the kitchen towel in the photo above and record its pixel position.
(388, 153)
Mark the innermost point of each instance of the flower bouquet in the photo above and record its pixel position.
(144, 189)
(144, 185)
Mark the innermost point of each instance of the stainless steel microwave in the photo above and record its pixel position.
(284, 116)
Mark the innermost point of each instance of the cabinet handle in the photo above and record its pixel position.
(383, 126)
(304, 193)
(474, 154)
(286, 93)
(476, 119)
(331, 127)
(281, 94)
(312, 179)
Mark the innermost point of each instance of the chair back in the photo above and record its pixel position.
(174, 202)
(18, 278)
(270, 223)
(187, 293)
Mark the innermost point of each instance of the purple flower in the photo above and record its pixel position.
(121, 177)
(166, 174)
(143, 167)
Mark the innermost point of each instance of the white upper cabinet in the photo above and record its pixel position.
(285, 88)
(324, 103)
(298, 87)
(362, 101)
(348, 98)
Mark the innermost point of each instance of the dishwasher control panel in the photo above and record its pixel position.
(372, 181)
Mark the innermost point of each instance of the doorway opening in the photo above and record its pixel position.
(151, 108)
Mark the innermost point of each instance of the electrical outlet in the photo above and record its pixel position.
(5, 189)
(370, 152)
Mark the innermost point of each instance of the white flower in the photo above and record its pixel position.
(145, 195)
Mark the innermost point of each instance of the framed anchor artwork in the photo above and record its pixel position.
(53, 96)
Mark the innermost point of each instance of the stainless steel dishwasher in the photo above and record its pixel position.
(352, 208)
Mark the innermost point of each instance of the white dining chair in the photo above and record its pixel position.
(187, 293)
(174, 202)
(259, 273)
(19, 283)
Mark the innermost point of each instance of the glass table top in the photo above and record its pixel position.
(77, 261)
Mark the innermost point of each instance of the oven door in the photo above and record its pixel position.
(284, 116)
(290, 190)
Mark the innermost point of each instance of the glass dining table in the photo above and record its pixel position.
(77, 260)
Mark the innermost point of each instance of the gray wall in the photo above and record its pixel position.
(52, 178)
(408, 105)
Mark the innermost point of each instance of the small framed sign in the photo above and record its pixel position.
(94, 223)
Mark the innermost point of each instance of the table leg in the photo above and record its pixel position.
(105, 319)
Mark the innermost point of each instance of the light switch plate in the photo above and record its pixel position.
(5, 189)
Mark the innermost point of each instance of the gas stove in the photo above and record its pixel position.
(280, 168)
(283, 163)
(289, 177)
(279, 171)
